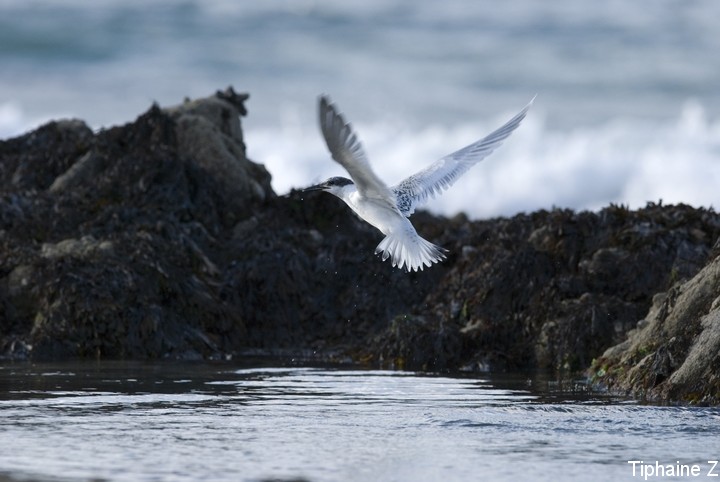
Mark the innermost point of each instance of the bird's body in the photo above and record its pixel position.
(388, 208)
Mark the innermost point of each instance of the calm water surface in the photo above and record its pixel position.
(221, 422)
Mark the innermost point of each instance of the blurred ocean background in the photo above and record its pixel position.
(628, 106)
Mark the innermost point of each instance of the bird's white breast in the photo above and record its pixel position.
(377, 212)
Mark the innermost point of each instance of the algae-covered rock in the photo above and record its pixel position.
(554, 289)
(209, 134)
(674, 354)
(108, 238)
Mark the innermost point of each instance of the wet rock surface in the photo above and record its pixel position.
(551, 289)
(159, 238)
(674, 353)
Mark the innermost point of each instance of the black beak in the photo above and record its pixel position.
(317, 187)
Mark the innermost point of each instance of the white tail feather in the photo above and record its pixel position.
(407, 249)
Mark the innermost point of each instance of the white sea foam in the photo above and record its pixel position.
(15, 121)
(628, 161)
(11, 120)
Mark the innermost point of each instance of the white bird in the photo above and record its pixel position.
(388, 208)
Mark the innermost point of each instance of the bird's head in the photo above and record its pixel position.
(334, 185)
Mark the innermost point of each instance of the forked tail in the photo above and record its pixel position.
(408, 250)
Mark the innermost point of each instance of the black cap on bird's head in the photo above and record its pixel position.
(333, 182)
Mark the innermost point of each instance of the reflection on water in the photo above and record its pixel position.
(187, 422)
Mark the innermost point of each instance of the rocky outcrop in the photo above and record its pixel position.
(107, 238)
(160, 238)
(547, 289)
(674, 353)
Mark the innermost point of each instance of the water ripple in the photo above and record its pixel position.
(188, 422)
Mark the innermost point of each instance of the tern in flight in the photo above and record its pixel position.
(388, 208)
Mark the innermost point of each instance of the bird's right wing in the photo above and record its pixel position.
(346, 149)
(440, 175)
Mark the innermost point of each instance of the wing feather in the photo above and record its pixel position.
(440, 175)
(347, 150)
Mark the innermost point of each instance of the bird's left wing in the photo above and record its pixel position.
(440, 175)
(346, 149)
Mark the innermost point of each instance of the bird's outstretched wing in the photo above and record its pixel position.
(346, 149)
(440, 175)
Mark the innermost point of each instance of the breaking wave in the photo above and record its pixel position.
(622, 161)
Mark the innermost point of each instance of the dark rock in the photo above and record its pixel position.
(108, 247)
(160, 238)
(209, 135)
(552, 289)
(33, 161)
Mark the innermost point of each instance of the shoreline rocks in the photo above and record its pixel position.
(160, 239)
(674, 353)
